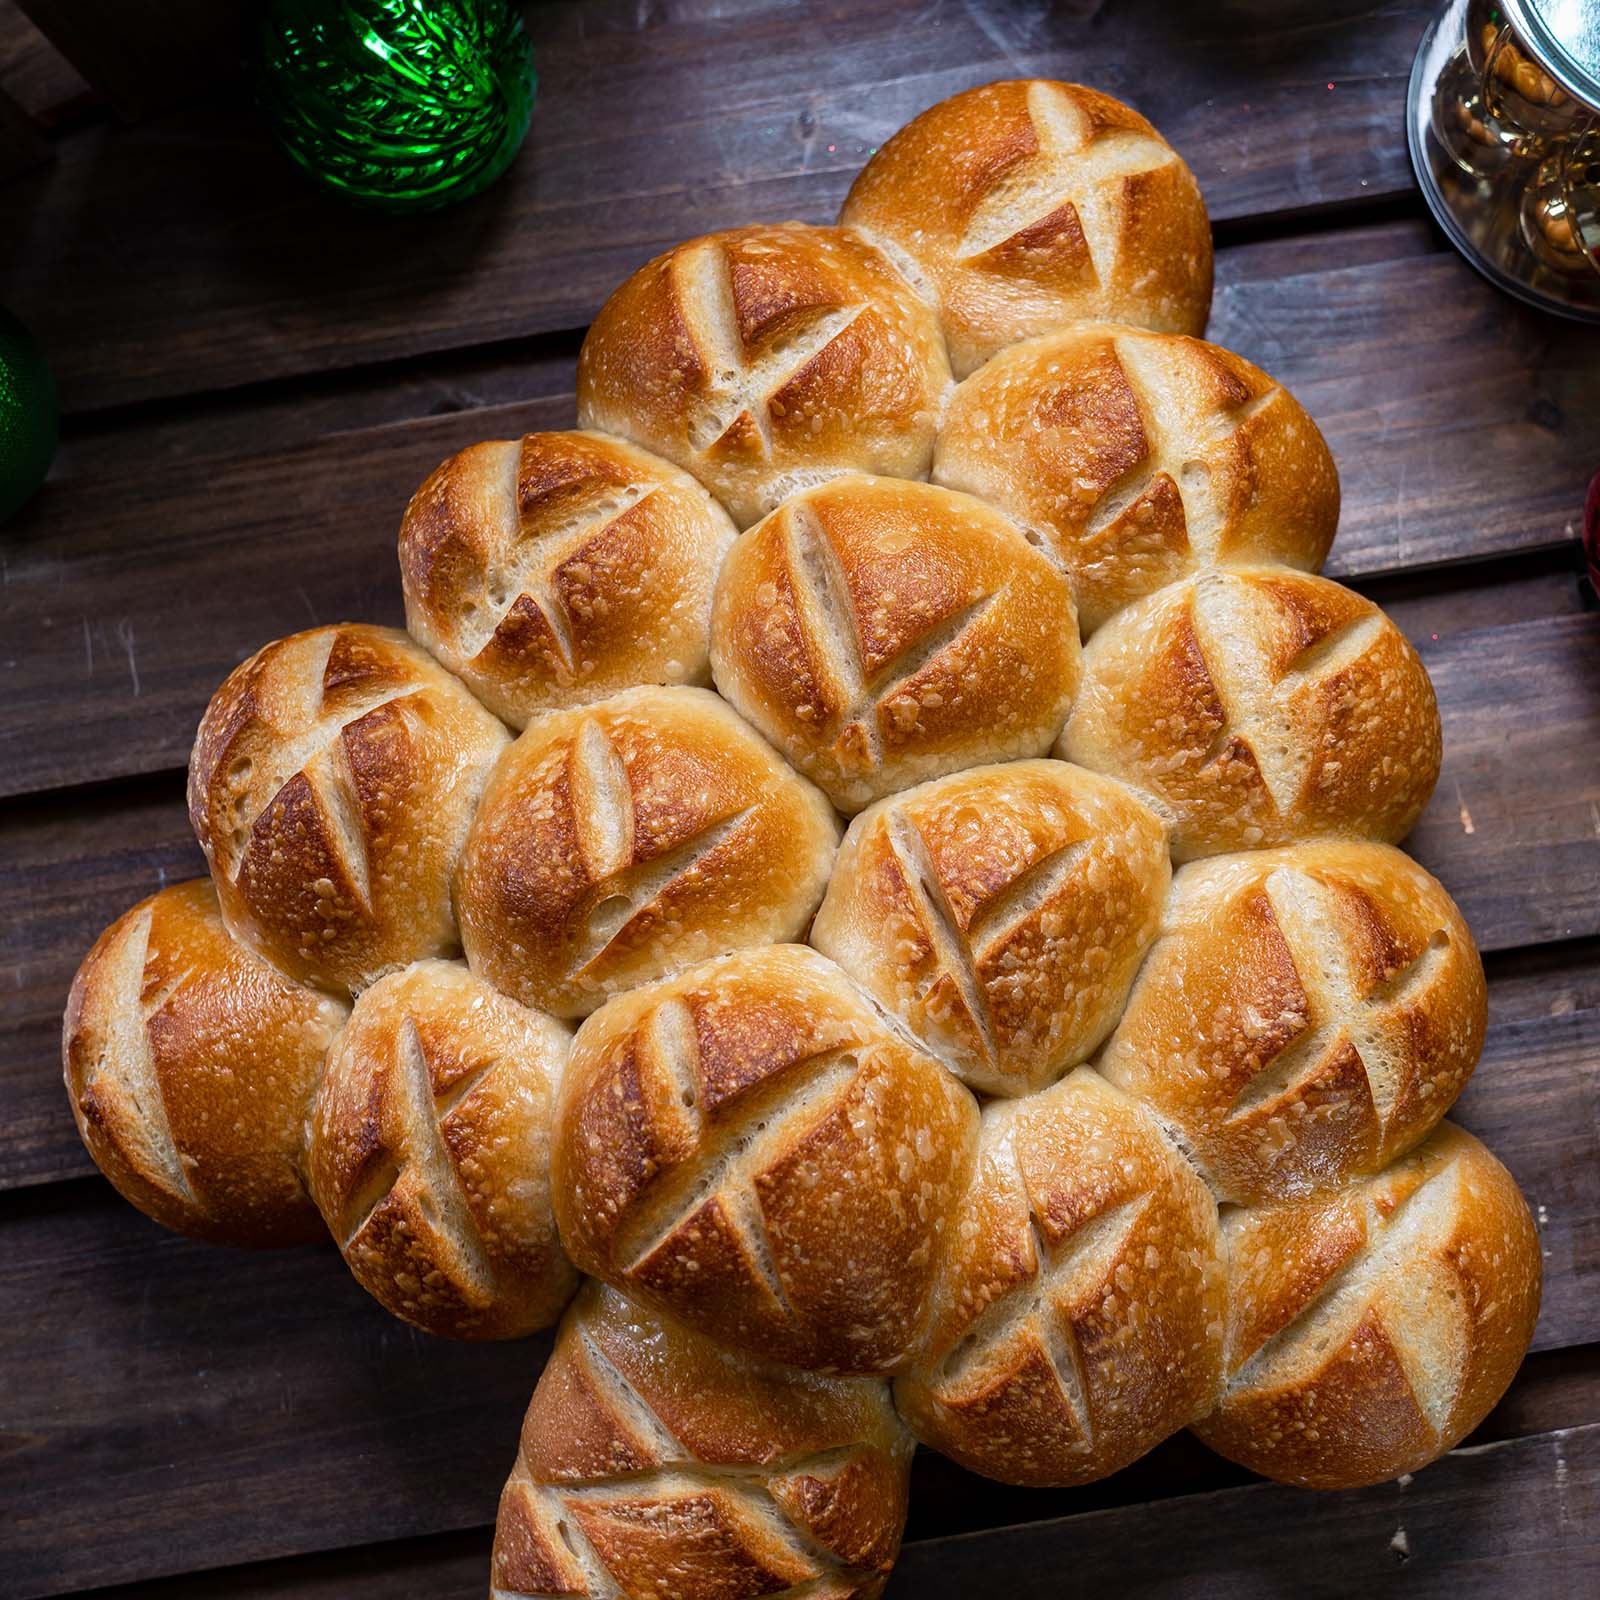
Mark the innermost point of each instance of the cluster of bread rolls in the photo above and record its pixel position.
(1042, 1148)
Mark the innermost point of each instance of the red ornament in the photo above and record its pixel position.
(1591, 530)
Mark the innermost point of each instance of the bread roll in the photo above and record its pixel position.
(1021, 206)
(1308, 1013)
(1080, 1317)
(430, 1154)
(1000, 914)
(881, 633)
(331, 785)
(1372, 1329)
(1138, 458)
(765, 359)
(631, 839)
(557, 569)
(190, 1063)
(1259, 707)
(655, 1462)
(750, 1148)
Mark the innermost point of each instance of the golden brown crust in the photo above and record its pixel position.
(1025, 205)
(190, 1064)
(430, 1154)
(626, 840)
(557, 569)
(1081, 1312)
(764, 359)
(331, 785)
(1138, 458)
(881, 633)
(751, 1148)
(1308, 1014)
(1372, 1329)
(1001, 914)
(1259, 706)
(656, 1462)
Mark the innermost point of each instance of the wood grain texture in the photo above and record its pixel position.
(1554, 1390)
(22, 144)
(267, 1383)
(1518, 1518)
(47, 87)
(1518, 758)
(142, 57)
(147, 439)
(185, 255)
(110, 599)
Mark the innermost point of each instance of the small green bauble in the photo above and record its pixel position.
(400, 104)
(28, 415)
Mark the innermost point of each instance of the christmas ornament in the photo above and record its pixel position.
(1591, 531)
(28, 415)
(401, 104)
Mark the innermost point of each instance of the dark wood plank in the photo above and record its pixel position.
(142, 58)
(268, 1385)
(1520, 1518)
(223, 1406)
(1560, 1389)
(1518, 743)
(1521, 712)
(185, 255)
(22, 144)
(281, 1386)
(35, 74)
(149, 438)
(110, 605)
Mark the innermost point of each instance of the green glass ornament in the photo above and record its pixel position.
(400, 104)
(28, 415)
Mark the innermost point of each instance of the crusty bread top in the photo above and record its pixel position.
(190, 1063)
(752, 1148)
(764, 359)
(1308, 1013)
(1028, 204)
(1373, 1328)
(1080, 1316)
(656, 1461)
(559, 568)
(430, 1153)
(332, 781)
(1138, 457)
(882, 632)
(628, 839)
(1259, 706)
(1001, 914)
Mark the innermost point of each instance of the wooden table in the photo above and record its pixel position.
(255, 378)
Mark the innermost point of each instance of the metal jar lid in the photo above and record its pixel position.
(1564, 35)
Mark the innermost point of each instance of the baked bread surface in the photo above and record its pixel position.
(1308, 1014)
(881, 633)
(1001, 914)
(560, 568)
(429, 1154)
(1258, 706)
(1372, 1329)
(627, 840)
(332, 782)
(1138, 458)
(753, 1149)
(656, 1461)
(1024, 205)
(767, 359)
(190, 1063)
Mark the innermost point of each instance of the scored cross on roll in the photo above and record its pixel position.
(656, 1461)
(880, 633)
(1074, 1149)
